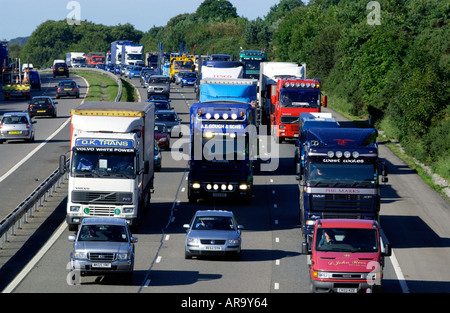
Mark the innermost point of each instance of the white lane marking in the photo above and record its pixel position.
(167, 237)
(398, 272)
(158, 259)
(35, 259)
(276, 286)
(277, 239)
(15, 167)
(147, 283)
(277, 262)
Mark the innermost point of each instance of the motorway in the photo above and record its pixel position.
(414, 218)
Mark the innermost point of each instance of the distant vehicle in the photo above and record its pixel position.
(157, 158)
(42, 106)
(117, 69)
(103, 246)
(188, 79)
(158, 84)
(161, 104)
(67, 88)
(162, 136)
(158, 97)
(16, 126)
(135, 72)
(60, 69)
(171, 120)
(35, 80)
(179, 75)
(213, 233)
(109, 68)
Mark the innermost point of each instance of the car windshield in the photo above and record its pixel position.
(67, 84)
(103, 164)
(14, 120)
(346, 240)
(157, 80)
(115, 233)
(214, 223)
(166, 117)
(161, 105)
(160, 129)
(189, 75)
(40, 101)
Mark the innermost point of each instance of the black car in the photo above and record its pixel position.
(60, 69)
(161, 104)
(42, 106)
(67, 88)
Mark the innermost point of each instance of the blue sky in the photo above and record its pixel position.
(22, 20)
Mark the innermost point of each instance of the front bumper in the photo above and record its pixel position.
(212, 250)
(341, 286)
(87, 267)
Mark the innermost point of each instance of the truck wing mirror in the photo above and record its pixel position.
(62, 164)
(387, 250)
(146, 167)
(305, 249)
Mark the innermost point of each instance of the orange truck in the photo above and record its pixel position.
(346, 256)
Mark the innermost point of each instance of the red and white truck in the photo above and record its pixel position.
(285, 92)
(346, 256)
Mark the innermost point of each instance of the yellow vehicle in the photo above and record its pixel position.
(15, 83)
(181, 63)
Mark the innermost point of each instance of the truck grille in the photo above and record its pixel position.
(95, 197)
(220, 172)
(101, 211)
(102, 256)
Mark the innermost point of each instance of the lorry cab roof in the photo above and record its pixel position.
(342, 136)
(347, 223)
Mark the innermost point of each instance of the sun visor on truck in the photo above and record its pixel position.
(342, 136)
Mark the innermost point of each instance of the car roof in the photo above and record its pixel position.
(15, 113)
(165, 112)
(213, 213)
(40, 97)
(104, 220)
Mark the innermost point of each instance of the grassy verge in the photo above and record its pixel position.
(388, 135)
(128, 92)
(102, 88)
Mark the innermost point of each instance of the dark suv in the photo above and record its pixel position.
(60, 69)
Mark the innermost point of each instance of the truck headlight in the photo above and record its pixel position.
(74, 209)
(321, 275)
(128, 210)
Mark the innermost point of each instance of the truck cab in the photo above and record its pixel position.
(346, 256)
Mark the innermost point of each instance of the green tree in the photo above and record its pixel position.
(219, 10)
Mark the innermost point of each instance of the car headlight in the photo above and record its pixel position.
(82, 255)
(123, 256)
(193, 241)
(233, 241)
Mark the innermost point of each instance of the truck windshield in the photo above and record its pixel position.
(342, 175)
(114, 233)
(300, 98)
(182, 65)
(252, 65)
(134, 56)
(110, 165)
(346, 240)
(225, 147)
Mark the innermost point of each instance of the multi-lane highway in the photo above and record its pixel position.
(414, 218)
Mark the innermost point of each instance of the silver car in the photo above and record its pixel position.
(16, 126)
(103, 246)
(213, 233)
(158, 85)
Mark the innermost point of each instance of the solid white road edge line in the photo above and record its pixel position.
(10, 288)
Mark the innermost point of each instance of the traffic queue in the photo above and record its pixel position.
(116, 148)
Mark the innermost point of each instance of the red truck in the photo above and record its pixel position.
(346, 256)
(290, 98)
(94, 58)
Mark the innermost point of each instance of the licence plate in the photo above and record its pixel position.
(67, 89)
(41, 111)
(220, 195)
(61, 69)
(14, 132)
(215, 248)
(347, 290)
(101, 265)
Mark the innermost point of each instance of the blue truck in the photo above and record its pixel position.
(339, 175)
(222, 142)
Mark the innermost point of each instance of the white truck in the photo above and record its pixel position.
(133, 54)
(270, 72)
(111, 161)
(75, 59)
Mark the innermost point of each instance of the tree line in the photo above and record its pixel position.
(395, 70)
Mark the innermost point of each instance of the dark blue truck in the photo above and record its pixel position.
(339, 175)
(222, 137)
